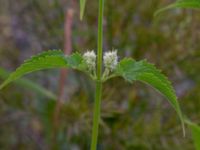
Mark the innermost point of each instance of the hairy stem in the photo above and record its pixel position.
(97, 106)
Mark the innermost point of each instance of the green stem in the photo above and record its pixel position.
(96, 116)
(97, 106)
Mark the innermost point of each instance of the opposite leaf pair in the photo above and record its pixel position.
(127, 68)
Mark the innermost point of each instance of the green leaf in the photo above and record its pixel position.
(82, 8)
(132, 70)
(45, 60)
(29, 85)
(193, 4)
(195, 133)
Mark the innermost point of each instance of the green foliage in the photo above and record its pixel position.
(128, 68)
(195, 133)
(46, 60)
(82, 8)
(29, 85)
(147, 73)
(132, 70)
(194, 4)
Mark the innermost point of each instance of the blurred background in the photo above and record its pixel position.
(134, 117)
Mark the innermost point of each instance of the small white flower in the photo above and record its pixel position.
(90, 59)
(110, 60)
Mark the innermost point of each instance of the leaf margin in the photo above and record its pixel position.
(164, 80)
(42, 59)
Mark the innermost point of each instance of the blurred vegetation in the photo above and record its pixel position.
(133, 117)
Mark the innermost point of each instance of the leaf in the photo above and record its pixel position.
(29, 84)
(195, 133)
(82, 8)
(143, 71)
(45, 60)
(193, 4)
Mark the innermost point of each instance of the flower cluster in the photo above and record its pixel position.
(90, 59)
(110, 60)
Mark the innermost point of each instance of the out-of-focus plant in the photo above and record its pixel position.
(92, 65)
(82, 8)
(29, 84)
(195, 133)
(194, 4)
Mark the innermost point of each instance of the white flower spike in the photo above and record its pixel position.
(110, 60)
(90, 59)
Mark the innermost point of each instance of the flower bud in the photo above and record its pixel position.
(90, 59)
(110, 60)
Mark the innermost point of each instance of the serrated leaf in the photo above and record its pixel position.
(44, 54)
(193, 4)
(195, 133)
(82, 8)
(75, 60)
(45, 60)
(132, 70)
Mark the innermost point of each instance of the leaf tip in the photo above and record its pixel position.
(2, 85)
(82, 8)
